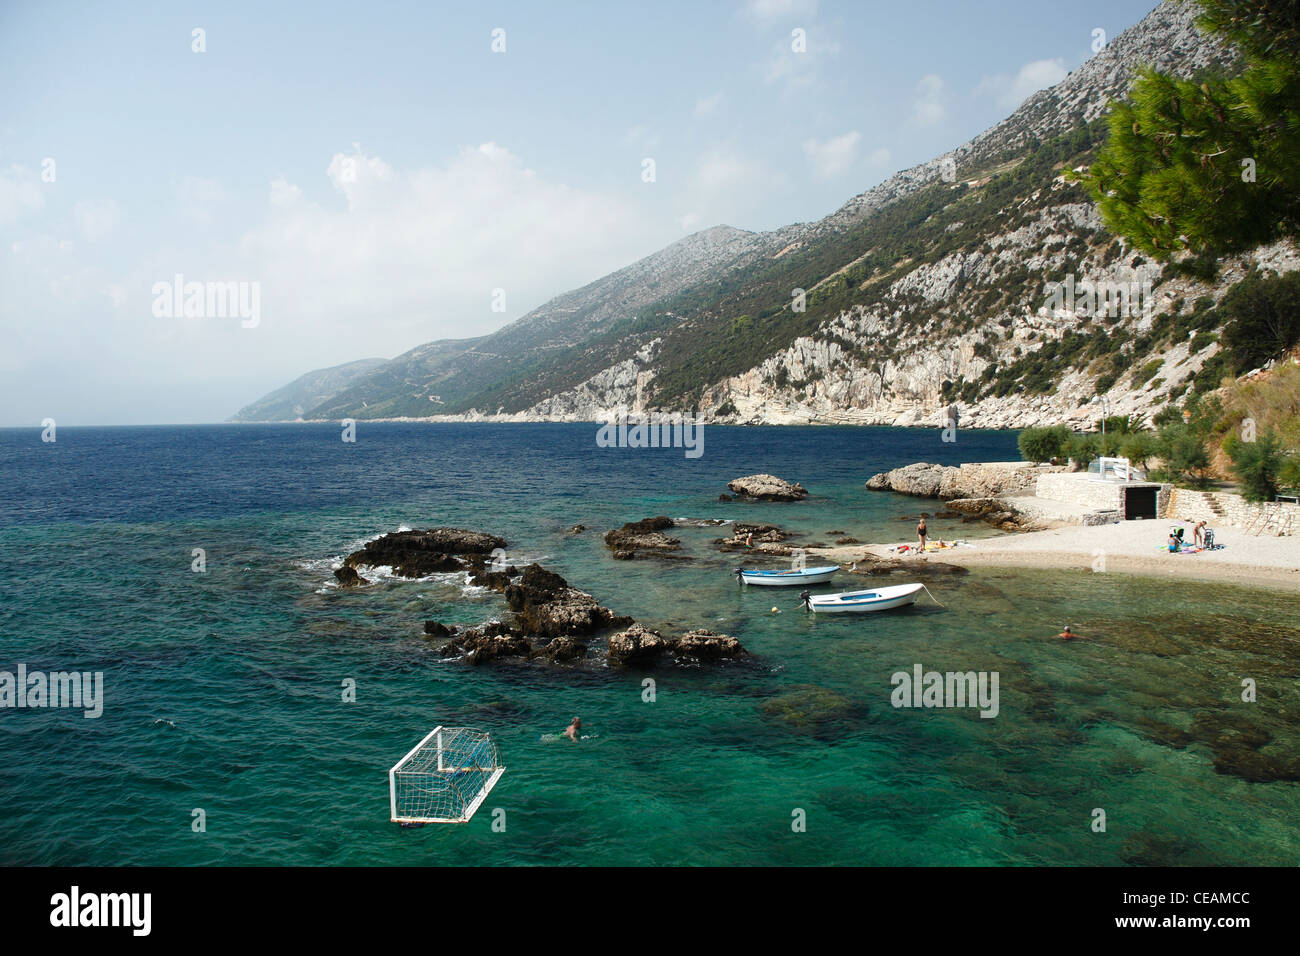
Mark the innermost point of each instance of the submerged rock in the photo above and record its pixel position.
(807, 707)
(437, 629)
(767, 488)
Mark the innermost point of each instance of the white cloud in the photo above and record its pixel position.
(20, 193)
(929, 103)
(706, 105)
(1010, 91)
(412, 255)
(834, 156)
(96, 218)
(423, 249)
(879, 157)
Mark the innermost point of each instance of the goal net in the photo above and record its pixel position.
(445, 777)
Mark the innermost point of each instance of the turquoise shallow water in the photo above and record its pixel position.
(223, 690)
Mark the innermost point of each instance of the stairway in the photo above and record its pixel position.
(1212, 501)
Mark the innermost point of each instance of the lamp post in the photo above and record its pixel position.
(1105, 411)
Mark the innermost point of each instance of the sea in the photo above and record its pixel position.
(251, 708)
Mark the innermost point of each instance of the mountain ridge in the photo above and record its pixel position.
(919, 293)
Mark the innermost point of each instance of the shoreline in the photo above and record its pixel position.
(1130, 548)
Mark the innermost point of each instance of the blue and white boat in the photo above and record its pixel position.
(789, 577)
(851, 602)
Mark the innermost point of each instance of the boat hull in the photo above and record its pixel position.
(861, 602)
(785, 579)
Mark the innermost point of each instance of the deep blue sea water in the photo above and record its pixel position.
(223, 689)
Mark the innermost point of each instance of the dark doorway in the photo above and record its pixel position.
(1139, 503)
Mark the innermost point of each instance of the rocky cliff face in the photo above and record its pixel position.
(938, 289)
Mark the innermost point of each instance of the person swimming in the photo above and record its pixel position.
(1067, 634)
(574, 729)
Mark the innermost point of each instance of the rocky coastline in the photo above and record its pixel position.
(978, 491)
(550, 619)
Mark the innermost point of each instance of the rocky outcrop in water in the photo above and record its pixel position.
(546, 605)
(644, 538)
(974, 480)
(550, 618)
(489, 642)
(767, 488)
(705, 645)
(414, 554)
(637, 646)
(640, 646)
(756, 538)
(348, 577)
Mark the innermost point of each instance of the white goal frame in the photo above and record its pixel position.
(438, 735)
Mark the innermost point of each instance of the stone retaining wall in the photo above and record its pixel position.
(1224, 507)
(1078, 489)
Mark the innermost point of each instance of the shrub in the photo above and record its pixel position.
(1137, 447)
(1256, 464)
(1182, 447)
(1084, 448)
(1288, 473)
(1263, 318)
(1043, 444)
(1148, 371)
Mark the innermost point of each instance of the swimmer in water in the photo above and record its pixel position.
(1067, 634)
(574, 729)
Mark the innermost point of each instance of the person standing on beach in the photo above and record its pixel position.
(1198, 533)
(920, 534)
(574, 729)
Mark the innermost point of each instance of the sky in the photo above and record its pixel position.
(201, 202)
